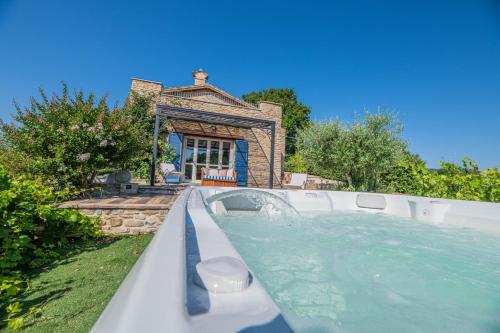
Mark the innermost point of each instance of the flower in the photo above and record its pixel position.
(83, 157)
(75, 127)
(103, 143)
(85, 125)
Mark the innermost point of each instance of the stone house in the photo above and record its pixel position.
(210, 128)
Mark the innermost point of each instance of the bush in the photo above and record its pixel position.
(68, 139)
(408, 175)
(31, 230)
(296, 163)
(451, 181)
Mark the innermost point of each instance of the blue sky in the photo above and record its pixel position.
(435, 62)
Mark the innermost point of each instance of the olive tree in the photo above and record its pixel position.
(357, 152)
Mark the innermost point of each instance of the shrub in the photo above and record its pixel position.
(69, 139)
(31, 230)
(408, 175)
(296, 163)
(451, 181)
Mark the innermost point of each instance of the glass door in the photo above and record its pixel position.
(214, 154)
(202, 157)
(189, 162)
(205, 152)
(225, 161)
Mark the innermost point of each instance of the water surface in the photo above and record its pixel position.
(358, 272)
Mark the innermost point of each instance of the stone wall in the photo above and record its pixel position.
(127, 221)
(259, 141)
(146, 87)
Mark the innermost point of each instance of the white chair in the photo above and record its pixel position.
(169, 174)
(297, 180)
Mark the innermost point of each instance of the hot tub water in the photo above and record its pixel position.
(358, 272)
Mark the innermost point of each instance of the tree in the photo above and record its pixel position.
(69, 139)
(358, 153)
(295, 114)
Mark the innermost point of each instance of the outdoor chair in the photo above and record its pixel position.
(216, 177)
(297, 181)
(170, 176)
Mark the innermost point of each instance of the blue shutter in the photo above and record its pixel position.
(241, 163)
(175, 140)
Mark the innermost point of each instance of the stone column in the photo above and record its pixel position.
(273, 111)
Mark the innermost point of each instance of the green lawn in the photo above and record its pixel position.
(74, 291)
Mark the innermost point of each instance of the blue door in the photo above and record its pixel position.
(241, 162)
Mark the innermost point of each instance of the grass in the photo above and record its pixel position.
(75, 290)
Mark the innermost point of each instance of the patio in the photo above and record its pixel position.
(127, 214)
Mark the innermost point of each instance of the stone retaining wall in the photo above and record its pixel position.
(127, 221)
(128, 214)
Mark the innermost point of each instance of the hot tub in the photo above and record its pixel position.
(249, 260)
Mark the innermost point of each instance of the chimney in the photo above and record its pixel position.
(200, 77)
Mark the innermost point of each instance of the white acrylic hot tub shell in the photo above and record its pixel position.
(154, 295)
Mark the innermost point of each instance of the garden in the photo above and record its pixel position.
(371, 154)
(58, 271)
(50, 256)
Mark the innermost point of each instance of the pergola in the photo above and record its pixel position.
(164, 112)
